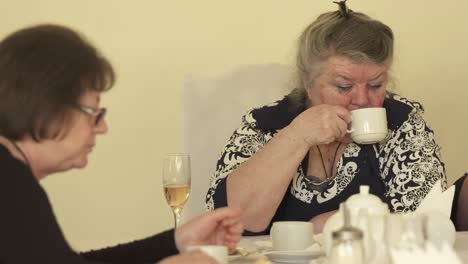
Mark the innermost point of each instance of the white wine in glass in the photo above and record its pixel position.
(176, 182)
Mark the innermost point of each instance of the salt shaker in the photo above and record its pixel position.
(347, 245)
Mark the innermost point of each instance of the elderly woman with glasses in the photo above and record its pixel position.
(51, 81)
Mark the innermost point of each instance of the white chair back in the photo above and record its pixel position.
(212, 109)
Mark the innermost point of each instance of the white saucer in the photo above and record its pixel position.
(302, 256)
(233, 257)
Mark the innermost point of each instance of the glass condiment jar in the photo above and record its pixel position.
(347, 247)
(363, 208)
(347, 243)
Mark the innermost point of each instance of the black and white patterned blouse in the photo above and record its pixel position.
(400, 170)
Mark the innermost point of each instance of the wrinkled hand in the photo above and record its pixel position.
(219, 227)
(192, 257)
(321, 124)
(320, 220)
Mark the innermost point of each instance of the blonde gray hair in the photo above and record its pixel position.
(357, 37)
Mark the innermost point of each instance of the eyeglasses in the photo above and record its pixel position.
(97, 114)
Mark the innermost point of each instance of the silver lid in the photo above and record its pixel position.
(347, 233)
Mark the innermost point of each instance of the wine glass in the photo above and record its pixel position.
(176, 182)
(404, 231)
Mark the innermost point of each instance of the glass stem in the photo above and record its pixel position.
(177, 213)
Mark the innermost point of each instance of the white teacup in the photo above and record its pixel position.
(368, 125)
(292, 235)
(219, 253)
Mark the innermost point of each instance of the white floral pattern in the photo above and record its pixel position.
(242, 145)
(351, 151)
(409, 162)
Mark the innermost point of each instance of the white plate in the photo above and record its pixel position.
(294, 256)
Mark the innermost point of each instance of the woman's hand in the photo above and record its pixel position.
(219, 227)
(321, 124)
(320, 220)
(192, 257)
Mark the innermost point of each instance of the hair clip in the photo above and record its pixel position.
(344, 11)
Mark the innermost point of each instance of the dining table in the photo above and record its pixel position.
(254, 250)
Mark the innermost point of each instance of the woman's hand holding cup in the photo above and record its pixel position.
(321, 124)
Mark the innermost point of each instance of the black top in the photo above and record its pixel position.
(400, 170)
(458, 185)
(29, 232)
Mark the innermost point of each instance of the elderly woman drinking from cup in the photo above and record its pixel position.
(51, 81)
(296, 160)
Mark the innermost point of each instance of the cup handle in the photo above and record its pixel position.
(271, 233)
(349, 131)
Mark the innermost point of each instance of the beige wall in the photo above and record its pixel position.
(154, 44)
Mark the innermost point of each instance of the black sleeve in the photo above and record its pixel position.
(147, 250)
(29, 232)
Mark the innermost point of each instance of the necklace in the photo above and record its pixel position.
(314, 183)
(21, 152)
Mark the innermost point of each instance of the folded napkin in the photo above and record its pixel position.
(437, 200)
(428, 255)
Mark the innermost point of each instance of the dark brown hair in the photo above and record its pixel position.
(44, 70)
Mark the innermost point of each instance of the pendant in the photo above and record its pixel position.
(314, 183)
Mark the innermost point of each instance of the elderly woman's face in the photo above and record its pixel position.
(351, 85)
(81, 138)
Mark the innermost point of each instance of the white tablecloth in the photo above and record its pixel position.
(461, 246)
(248, 243)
